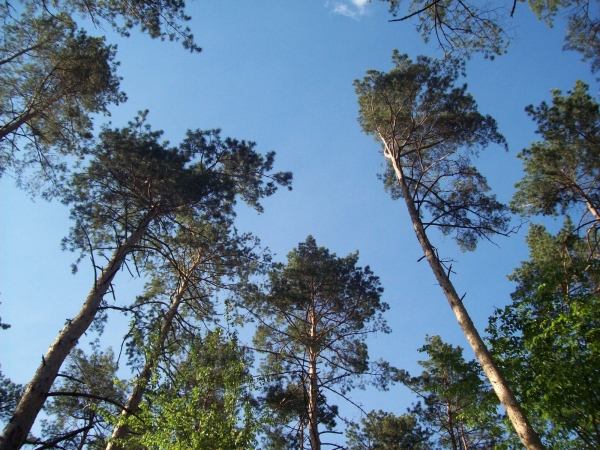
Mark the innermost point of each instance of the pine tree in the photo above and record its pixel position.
(562, 171)
(201, 261)
(456, 403)
(54, 77)
(126, 199)
(462, 28)
(430, 130)
(313, 318)
(380, 430)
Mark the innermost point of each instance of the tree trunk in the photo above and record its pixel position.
(463, 436)
(313, 388)
(301, 432)
(451, 426)
(7, 129)
(35, 394)
(86, 431)
(525, 431)
(313, 392)
(121, 430)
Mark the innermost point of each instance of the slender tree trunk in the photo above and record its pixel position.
(35, 394)
(301, 432)
(313, 389)
(464, 438)
(525, 431)
(313, 392)
(121, 430)
(451, 427)
(87, 430)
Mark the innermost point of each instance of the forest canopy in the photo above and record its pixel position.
(189, 309)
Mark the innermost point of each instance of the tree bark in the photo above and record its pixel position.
(313, 389)
(451, 426)
(313, 392)
(7, 129)
(517, 416)
(121, 430)
(301, 432)
(87, 430)
(35, 394)
(588, 201)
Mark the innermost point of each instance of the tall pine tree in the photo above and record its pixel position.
(126, 199)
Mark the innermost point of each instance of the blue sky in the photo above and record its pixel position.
(280, 73)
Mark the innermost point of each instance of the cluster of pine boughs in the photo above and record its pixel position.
(166, 213)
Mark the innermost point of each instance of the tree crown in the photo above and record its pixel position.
(430, 131)
(562, 171)
(133, 177)
(54, 77)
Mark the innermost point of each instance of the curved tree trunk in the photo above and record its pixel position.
(35, 394)
(525, 431)
(121, 430)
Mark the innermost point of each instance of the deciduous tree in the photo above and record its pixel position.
(205, 402)
(548, 339)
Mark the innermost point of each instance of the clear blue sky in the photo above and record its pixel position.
(280, 73)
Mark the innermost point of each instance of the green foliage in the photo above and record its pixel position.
(459, 406)
(193, 267)
(10, 393)
(316, 309)
(460, 27)
(134, 179)
(380, 430)
(162, 19)
(204, 403)
(548, 339)
(562, 171)
(287, 422)
(583, 21)
(86, 394)
(53, 77)
(431, 130)
(463, 28)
